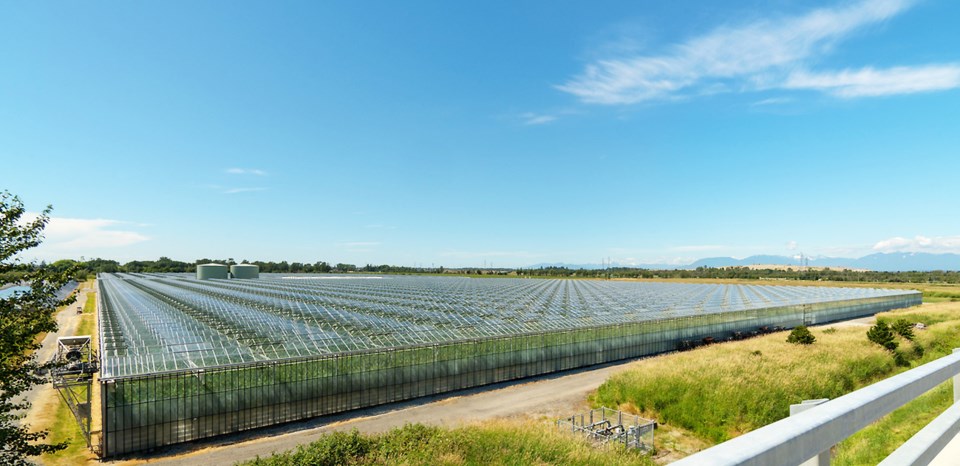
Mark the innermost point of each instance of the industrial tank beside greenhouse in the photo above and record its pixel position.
(185, 359)
(245, 271)
(212, 271)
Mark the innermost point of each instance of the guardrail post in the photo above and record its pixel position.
(956, 383)
(823, 459)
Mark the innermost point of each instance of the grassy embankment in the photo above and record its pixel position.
(61, 423)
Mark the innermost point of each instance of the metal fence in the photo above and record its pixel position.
(610, 426)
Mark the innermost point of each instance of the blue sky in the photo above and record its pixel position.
(499, 133)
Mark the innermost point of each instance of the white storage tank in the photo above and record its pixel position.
(245, 271)
(209, 271)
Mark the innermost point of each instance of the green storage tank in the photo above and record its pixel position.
(209, 271)
(245, 271)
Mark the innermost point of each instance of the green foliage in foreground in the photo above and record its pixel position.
(489, 443)
(23, 317)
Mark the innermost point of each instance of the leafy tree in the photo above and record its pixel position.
(340, 267)
(801, 335)
(903, 328)
(882, 335)
(23, 316)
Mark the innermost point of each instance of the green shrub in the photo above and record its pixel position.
(900, 359)
(903, 328)
(917, 350)
(881, 335)
(801, 336)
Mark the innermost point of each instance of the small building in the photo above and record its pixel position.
(211, 271)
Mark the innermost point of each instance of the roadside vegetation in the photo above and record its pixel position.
(493, 442)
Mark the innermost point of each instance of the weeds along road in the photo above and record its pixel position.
(548, 397)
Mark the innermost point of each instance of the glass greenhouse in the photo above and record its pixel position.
(184, 359)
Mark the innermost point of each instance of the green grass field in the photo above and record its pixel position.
(495, 442)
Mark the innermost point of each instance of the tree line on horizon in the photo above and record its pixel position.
(88, 268)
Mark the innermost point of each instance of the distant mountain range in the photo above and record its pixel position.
(883, 262)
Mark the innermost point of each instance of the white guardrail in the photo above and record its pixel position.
(815, 426)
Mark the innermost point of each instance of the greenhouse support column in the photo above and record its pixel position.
(823, 459)
(103, 418)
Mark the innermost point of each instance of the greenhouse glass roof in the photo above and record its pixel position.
(163, 322)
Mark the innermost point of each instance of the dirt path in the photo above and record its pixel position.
(67, 322)
(44, 399)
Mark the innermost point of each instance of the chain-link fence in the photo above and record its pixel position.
(605, 425)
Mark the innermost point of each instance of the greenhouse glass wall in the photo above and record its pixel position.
(184, 359)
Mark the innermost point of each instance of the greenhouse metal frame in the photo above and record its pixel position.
(184, 359)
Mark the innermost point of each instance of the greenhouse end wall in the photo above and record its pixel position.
(149, 411)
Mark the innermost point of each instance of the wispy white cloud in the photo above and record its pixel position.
(241, 190)
(761, 55)
(530, 118)
(919, 243)
(870, 82)
(74, 237)
(772, 101)
(246, 171)
(792, 245)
